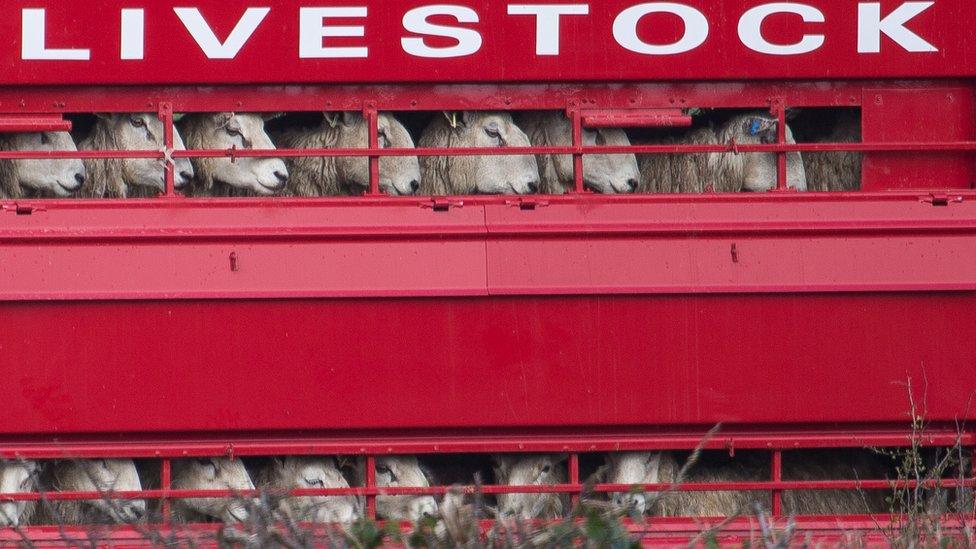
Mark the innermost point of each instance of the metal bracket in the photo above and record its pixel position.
(23, 209)
(439, 204)
(527, 204)
(941, 199)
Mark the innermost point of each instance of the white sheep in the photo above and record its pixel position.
(335, 176)
(637, 468)
(211, 474)
(723, 172)
(93, 475)
(59, 178)
(602, 173)
(130, 177)
(531, 470)
(404, 472)
(18, 477)
(232, 177)
(454, 175)
(310, 473)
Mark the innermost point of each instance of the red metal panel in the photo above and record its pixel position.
(572, 362)
(938, 114)
(589, 49)
(179, 250)
(727, 247)
(183, 249)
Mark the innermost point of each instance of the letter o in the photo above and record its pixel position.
(625, 28)
(750, 29)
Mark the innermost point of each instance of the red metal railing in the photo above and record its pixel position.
(775, 443)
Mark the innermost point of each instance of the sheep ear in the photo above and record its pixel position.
(466, 117)
(559, 459)
(269, 116)
(103, 115)
(351, 118)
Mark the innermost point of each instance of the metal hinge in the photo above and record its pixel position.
(527, 204)
(439, 204)
(23, 209)
(941, 199)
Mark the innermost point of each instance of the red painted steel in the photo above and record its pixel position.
(522, 366)
(505, 48)
(13, 123)
(372, 326)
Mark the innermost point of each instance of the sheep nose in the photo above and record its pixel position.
(534, 187)
(415, 185)
(137, 512)
(282, 177)
(80, 178)
(632, 184)
(186, 176)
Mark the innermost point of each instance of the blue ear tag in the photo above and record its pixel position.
(755, 127)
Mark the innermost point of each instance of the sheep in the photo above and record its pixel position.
(59, 178)
(836, 171)
(453, 175)
(334, 176)
(531, 470)
(723, 172)
(18, 477)
(93, 475)
(403, 471)
(232, 177)
(602, 173)
(637, 468)
(211, 474)
(130, 177)
(663, 468)
(293, 473)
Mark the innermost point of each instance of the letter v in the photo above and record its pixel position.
(212, 47)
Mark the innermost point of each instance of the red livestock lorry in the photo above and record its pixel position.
(582, 324)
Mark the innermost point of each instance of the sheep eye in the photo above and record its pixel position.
(493, 132)
(137, 122)
(45, 139)
(317, 483)
(547, 469)
(383, 140)
(386, 471)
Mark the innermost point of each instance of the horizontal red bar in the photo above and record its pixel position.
(756, 486)
(963, 146)
(16, 123)
(462, 443)
(636, 118)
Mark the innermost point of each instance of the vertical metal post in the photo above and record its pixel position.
(370, 484)
(166, 477)
(779, 110)
(166, 115)
(777, 477)
(372, 120)
(574, 477)
(577, 119)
